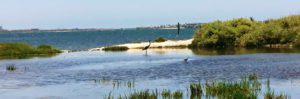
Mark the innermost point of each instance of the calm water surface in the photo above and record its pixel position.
(92, 74)
(87, 40)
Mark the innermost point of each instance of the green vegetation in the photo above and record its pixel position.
(246, 88)
(143, 95)
(167, 94)
(11, 67)
(21, 49)
(269, 94)
(196, 90)
(115, 83)
(177, 94)
(115, 48)
(160, 39)
(245, 32)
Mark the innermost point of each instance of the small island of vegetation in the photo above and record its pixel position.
(23, 50)
(160, 39)
(115, 48)
(244, 32)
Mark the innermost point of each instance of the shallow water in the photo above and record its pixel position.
(91, 74)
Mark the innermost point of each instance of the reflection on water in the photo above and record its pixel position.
(240, 51)
(82, 74)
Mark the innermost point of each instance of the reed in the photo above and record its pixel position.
(110, 96)
(269, 94)
(196, 90)
(244, 89)
(178, 94)
(11, 67)
(147, 94)
(115, 83)
(166, 94)
(248, 87)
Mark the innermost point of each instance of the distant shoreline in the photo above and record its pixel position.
(37, 30)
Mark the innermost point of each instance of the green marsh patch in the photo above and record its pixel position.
(115, 48)
(22, 50)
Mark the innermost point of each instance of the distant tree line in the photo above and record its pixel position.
(247, 32)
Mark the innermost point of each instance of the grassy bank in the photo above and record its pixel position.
(247, 32)
(21, 49)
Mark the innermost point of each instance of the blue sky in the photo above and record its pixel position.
(52, 14)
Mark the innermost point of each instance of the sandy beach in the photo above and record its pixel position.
(166, 44)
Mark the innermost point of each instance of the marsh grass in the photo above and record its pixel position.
(147, 94)
(244, 89)
(11, 67)
(115, 48)
(269, 94)
(253, 77)
(110, 96)
(196, 90)
(247, 87)
(130, 84)
(166, 94)
(115, 83)
(178, 94)
(12, 50)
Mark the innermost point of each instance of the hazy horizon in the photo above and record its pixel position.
(56, 14)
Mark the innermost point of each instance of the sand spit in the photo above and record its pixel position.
(166, 44)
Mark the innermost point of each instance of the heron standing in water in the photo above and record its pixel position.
(146, 47)
(186, 59)
(178, 28)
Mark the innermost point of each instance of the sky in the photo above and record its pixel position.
(54, 14)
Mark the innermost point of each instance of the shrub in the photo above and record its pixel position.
(244, 32)
(21, 49)
(115, 48)
(160, 39)
(296, 42)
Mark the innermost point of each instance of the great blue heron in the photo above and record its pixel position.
(186, 59)
(178, 28)
(146, 47)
